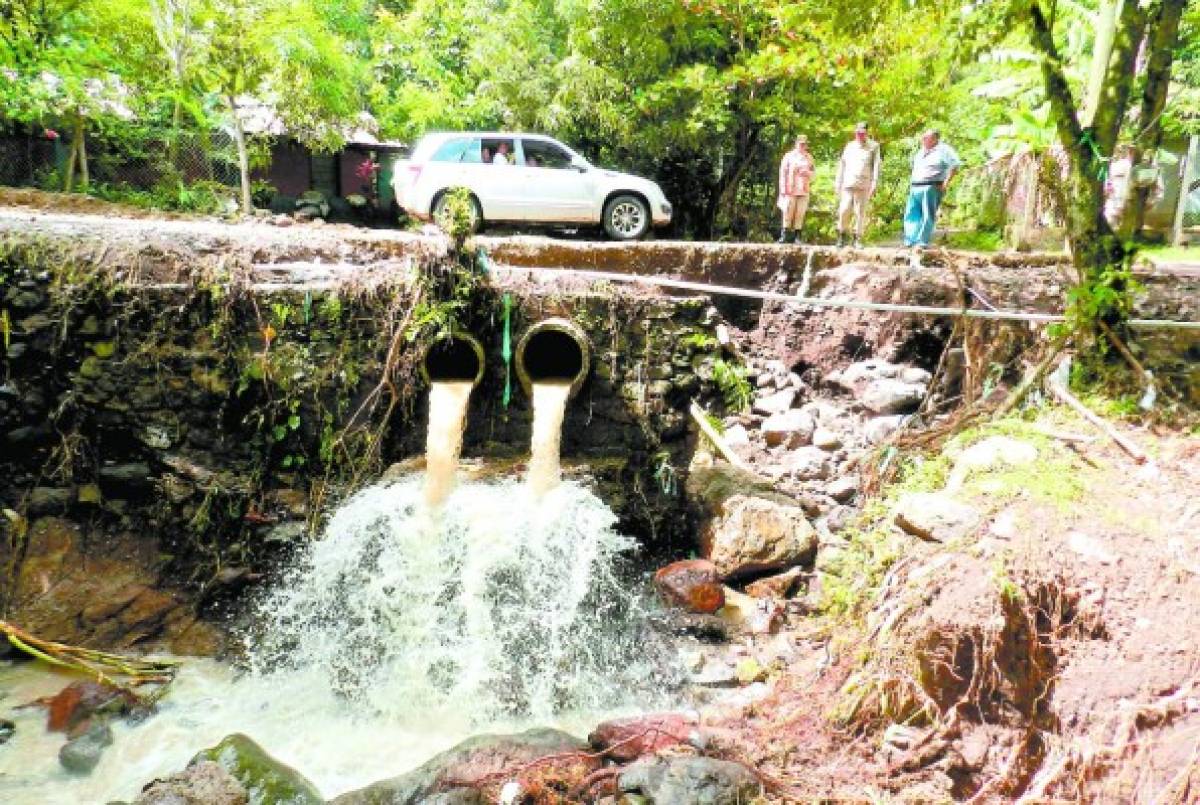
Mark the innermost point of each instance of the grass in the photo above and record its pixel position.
(1171, 254)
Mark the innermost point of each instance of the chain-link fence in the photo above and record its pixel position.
(160, 169)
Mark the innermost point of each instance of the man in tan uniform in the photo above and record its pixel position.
(857, 178)
(795, 175)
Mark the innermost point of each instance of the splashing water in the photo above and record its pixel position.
(443, 441)
(549, 408)
(399, 633)
(497, 600)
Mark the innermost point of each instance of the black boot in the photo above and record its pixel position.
(785, 236)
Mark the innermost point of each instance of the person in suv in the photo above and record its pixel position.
(548, 185)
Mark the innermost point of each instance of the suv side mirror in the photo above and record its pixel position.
(580, 165)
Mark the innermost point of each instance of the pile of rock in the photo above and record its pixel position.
(807, 439)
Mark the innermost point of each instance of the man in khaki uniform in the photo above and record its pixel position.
(857, 178)
(795, 175)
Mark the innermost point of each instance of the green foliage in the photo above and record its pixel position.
(733, 381)
(458, 215)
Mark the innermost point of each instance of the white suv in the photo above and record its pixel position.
(527, 178)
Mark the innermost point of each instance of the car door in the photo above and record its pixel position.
(498, 179)
(553, 190)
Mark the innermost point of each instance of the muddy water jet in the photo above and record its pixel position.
(553, 359)
(452, 366)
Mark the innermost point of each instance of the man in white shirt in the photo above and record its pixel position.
(501, 157)
(934, 165)
(857, 178)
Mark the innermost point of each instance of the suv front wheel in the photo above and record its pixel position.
(626, 217)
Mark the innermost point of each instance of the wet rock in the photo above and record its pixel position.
(265, 780)
(484, 757)
(775, 403)
(627, 739)
(79, 701)
(203, 783)
(808, 464)
(936, 516)
(80, 755)
(791, 428)
(690, 781)
(781, 585)
(754, 535)
(692, 584)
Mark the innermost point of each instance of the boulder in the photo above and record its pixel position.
(882, 387)
(754, 535)
(781, 585)
(693, 585)
(690, 781)
(203, 783)
(479, 759)
(791, 428)
(890, 396)
(775, 403)
(936, 516)
(80, 755)
(265, 780)
(627, 739)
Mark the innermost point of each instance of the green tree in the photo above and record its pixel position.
(1089, 138)
(287, 55)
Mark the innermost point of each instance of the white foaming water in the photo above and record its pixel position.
(549, 408)
(443, 441)
(399, 633)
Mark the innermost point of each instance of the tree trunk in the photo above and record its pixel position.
(1094, 246)
(1161, 51)
(83, 157)
(727, 185)
(239, 136)
(173, 148)
(69, 177)
(1106, 28)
